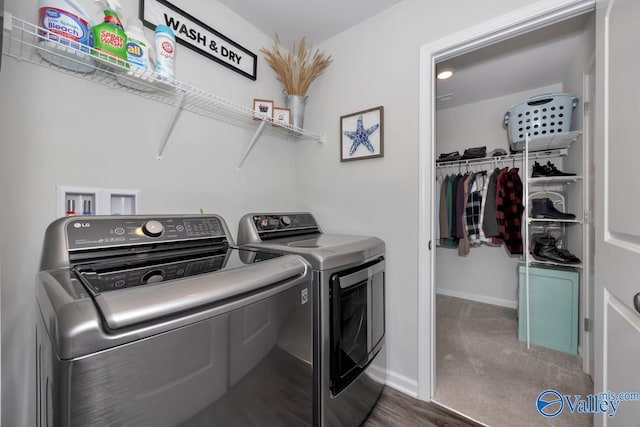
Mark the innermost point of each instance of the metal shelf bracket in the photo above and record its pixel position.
(255, 138)
(172, 122)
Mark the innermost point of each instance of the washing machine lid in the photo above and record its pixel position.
(83, 311)
(326, 251)
(130, 295)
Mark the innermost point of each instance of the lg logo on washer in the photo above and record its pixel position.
(81, 224)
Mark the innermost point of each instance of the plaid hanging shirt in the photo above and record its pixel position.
(509, 210)
(473, 209)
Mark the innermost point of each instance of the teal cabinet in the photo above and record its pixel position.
(553, 304)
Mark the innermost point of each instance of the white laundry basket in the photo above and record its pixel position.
(540, 115)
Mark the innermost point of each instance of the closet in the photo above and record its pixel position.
(487, 342)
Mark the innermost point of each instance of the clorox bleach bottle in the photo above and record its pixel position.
(66, 38)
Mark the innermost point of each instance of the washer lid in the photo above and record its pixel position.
(326, 251)
(221, 281)
(83, 318)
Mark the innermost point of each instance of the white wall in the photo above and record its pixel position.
(58, 129)
(376, 63)
(487, 274)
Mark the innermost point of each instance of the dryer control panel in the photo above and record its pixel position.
(257, 227)
(268, 222)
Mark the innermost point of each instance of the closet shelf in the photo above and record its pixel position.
(548, 154)
(566, 221)
(550, 180)
(553, 141)
(21, 43)
(534, 262)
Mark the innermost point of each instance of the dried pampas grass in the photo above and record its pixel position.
(296, 69)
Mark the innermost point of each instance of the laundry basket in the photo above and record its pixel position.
(541, 115)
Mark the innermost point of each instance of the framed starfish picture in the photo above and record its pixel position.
(362, 135)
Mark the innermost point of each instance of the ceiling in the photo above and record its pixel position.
(316, 20)
(532, 60)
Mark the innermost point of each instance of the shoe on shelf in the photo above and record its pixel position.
(548, 170)
(545, 249)
(539, 171)
(553, 171)
(543, 209)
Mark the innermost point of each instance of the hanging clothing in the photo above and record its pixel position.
(439, 181)
(460, 199)
(450, 241)
(442, 212)
(499, 203)
(451, 206)
(483, 197)
(463, 244)
(480, 207)
(489, 220)
(513, 209)
(474, 205)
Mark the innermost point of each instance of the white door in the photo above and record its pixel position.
(617, 252)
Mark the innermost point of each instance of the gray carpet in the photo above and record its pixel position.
(484, 372)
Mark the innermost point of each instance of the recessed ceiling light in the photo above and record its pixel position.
(443, 75)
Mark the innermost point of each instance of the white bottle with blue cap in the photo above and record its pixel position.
(165, 52)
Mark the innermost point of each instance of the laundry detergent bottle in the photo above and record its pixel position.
(65, 37)
(141, 56)
(109, 37)
(139, 50)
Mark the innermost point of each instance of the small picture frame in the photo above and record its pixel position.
(281, 116)
(362, 135)
(262, 109)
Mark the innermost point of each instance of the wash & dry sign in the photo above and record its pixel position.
(199, 37)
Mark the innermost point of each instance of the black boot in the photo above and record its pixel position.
(539, 170)
(546, 250)
(553, 171)
(543, 208)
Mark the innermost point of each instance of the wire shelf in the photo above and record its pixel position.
(517, 157)
(24, 41)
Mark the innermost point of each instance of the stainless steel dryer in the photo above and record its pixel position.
(159, 321)
(349, 307)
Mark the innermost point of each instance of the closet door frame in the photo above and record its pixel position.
(504, 27)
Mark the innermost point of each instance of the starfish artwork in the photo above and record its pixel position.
(361, 136)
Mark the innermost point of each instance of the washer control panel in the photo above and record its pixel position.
(103, 232)
(274, 222)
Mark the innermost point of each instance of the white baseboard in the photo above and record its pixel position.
(401, 383)
(478, 298)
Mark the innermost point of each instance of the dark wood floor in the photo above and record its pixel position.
(396, 409)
